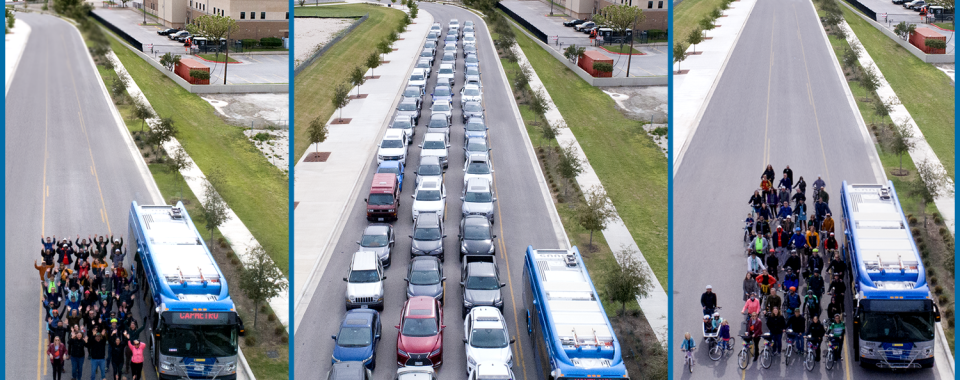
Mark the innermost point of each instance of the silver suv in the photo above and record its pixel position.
(365, 281)
(478, 199)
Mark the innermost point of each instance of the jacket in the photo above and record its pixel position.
(792, 300)
(781, 239)
(790, 280)
(56, 350)
(776, 324)
(137, 352)
(773, 301)
(828, 225)
(755, 329)
(784, 212)
(749, 286)
(688, 344)
(815, 263)
(76, 348)
(756, 200)
(815, 283)
(724, 332)
(708, 300)
(822, 209)
(786, 182)
(813, 239)
(766, 280)
(755, 264)
(797, 323)
(816, 332)
(97, 350)
(751, 306)
(798, 241)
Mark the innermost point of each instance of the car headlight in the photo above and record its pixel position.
(498, 303)
(467, 303)
(438, 250)
(492, 247)
(371, 210)
(510, 361)
(463, 247)
(335, 360)
(436, 352)
(166, 366)
(369, 358)
(349, 299)
(402, 353)
(380, 298)
(471, 361)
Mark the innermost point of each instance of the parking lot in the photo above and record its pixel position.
(253, 68)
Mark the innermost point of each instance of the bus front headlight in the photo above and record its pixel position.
(231, 367)
(166, 366)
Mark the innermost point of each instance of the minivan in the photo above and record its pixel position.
(383, 199)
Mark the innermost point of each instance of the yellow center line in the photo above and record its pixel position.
(766, 123)
(43, 197)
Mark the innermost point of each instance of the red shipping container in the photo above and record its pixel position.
(591, 56)
(183, 70)
(921, 35)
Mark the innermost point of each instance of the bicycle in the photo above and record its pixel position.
(810, 357)
(743, 358)
(830, 359)
(718, 347)
(766, 356)
(747, 235)
(791, 345)
(688, 359)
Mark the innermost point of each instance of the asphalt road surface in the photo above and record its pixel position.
(522, 219)
(780, 101)
(68, 171)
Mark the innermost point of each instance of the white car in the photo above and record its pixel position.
(425, 65)
(470, 40)
(478, 166)
(436, 27)
(435, 144)
(430, 196)
(393, 146)
(418, 78)
(447, 72)
(470, 93)
(486, 338)
(413, 372)
(365, 281)
(444, 108)
(405, 124)
(455, 24)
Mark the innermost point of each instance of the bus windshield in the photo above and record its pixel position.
(897, 327)
(199, 340)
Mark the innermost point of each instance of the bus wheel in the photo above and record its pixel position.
(529, 327)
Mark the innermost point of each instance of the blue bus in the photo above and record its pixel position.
(894, 319)
(192, 323)
(572, 337)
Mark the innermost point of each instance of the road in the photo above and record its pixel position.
(522, 219)
(780, 101)
(66, 159)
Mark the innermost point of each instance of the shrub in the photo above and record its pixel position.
(250, 341)
(929, 272)
(916, 232)
(284, 339)
(913, 220)
(943, 231)
(279, 330)
(271, 42)
(200, 74)
(922, 246)
(271, 317)
(938, 289)
(943, 299)
(248, 42)
(603, 67)
(948, 312)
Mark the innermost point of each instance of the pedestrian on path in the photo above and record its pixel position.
(56, 351)
(136, 361)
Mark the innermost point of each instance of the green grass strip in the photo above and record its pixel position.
(687, 16)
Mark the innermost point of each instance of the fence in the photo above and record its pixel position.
(520, 20)
(863, 8)
(306, 63)
(132, 41)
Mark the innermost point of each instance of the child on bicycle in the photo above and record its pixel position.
(688, 346)
(724, 335)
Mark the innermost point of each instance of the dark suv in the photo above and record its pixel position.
(427, 236)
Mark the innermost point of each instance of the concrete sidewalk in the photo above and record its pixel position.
(15, 41)
(319, 218)
(692, 90)
(656, 305)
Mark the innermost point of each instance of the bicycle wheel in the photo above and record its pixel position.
(829, 362)
(716, 352)
(742, 358)
(766, 358)
(690, 364)
(808, 360)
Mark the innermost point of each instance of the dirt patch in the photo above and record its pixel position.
(644, 357)
(252, 110)
(313, 33)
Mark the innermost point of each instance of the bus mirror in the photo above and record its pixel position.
(936, 313)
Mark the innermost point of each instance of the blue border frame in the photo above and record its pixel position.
(291, 162)
(3, 222)
(670, 153)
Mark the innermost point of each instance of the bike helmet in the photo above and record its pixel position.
(716, 314)
(706, 317)
(809, 291)
(794, 288)
(710, 287)
(796, 229)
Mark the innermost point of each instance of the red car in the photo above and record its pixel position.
(420, 341)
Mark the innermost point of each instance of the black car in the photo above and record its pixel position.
(590, 29)
(427, 236)
(476, 236)
(471, 109)
(165, 32)
(574, 22)
(425, 278)
(480, 283)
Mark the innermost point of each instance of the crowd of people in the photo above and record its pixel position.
(787, 249)
(88, 297)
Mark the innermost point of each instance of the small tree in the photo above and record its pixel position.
(124, 3)
(931, 181)
(302, 2)
(142, 111)
(413, 9)
(569, 165)
(357, 78)
(574, 53)
(317, 132)
(261, 279)
(522, 79)
(901, 30)
(538, 104)
(620, 18)
(393, 36)
(163, 132)
(850, 59)
(628, 281)
(383, 47)
(214, 210)
(549, 132)
(706, 23)
(595, 212)
(341, 97)
(869, 80)
(882, 108)
(170, 60)
(213, 27)
(179, 161)
(695, 37)
(902, 143)
(373, 62)
(679, 54)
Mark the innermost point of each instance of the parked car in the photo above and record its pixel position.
(471, 61)
(919, 4)
(478, 199)
(173, 36)
(413, 94)
(384, 197)
(437, 145)
(475, 145)
(442, 108)
(914, 3)
(427, 236)
(436, 27)
(446, 74)
(478, 166)
(429, 197)
(574, 22)
(417, 373)
(441, 93)
(450, 58)
(475, 128)
(429, 168)
(589, 30)
(349, 371)
(428, 55)
(469, 110)
(430, 44)
(486, 337)
(420, 338)
(469, 49)
(409, 107)
(378, 238)
(167, 32)
(425, 278)
(454, 24)
(580, 27)
(404, 123)
(467, 24)
(433, 35)
(480, 283)
(393, 147)
(470, 40)
(471, 75)
(450, 39)
(365, 281)
(450, 48)
(476, 236)
(394, 167)
(470, 93)
(358, 337)
(424, 64)
(439, 123)
(418, 78)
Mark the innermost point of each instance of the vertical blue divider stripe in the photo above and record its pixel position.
(670, 220)
(291, 162)
(3, 222)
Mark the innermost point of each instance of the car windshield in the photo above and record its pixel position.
(416, 77)
(471, 92)
(351, 336)
(473, 71)
(482, 283)
(423, 65)
(426, 53)
(411, 93)
(407, 107)
(381, 199)
(434, 145)
(374, 241)
(472, 107)
(476, 127)
(478, 168)
(402, 125)
(429, 195)
(478, 196)
(440, 107)
(448, 57)
(419, 327)
(389, 169)
(488, 338)
(897, 327)
(429, 170)
(430, 44)
(424, 233)
(441, 91)
(364, 276)
(450, 47)
(391, 144)
(476, 233)
(432, 35)
(471, 59)
(477, 147)
(424, 277)
(438, 123)
(446, 71)
(199, 340)
(450, 38)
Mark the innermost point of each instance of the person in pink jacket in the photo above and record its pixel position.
(136, 359)
(57, 352)
(752, 306)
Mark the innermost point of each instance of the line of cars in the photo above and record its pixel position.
(420, 339)
(582, 25)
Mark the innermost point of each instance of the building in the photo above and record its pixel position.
(256, 19)
(656, 13)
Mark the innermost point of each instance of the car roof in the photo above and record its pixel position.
(434, 136)
(481, 269)
(471, 86)
(348, 371)
(477, 157)
(356, 316)
(471, 103)
(429, 184)
(447, 103)
(365, 260)
(487, 317)
(479, 185)
(425, 263)
(427, 219)
(404, 118)
(446, 65)
(419, 303)
(412, 88)
(476, 220)
(438, 116)
(377, 229)
(409, 101)
(393, 134)
(429, 160)
(477, 120)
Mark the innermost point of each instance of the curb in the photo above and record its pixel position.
(613, 52)
(945, 30)
(207, 60)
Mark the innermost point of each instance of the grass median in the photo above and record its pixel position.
(314, 85)
(687, 16)
(922, 88)
(255, 189)
(631, 167)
